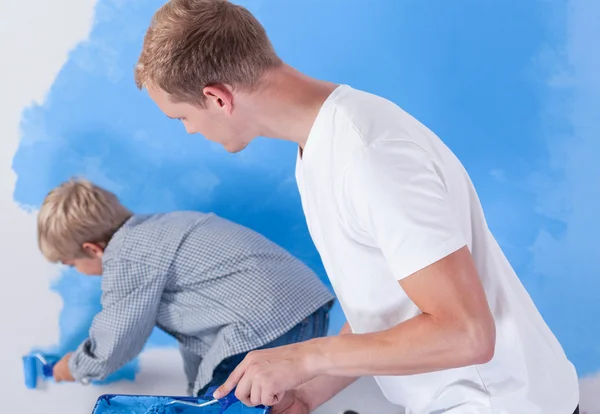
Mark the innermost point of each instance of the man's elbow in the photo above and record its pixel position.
(481, 338)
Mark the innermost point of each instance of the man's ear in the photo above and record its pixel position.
(219, 97)
(93, 249)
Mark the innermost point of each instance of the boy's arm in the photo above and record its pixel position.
(131, 294)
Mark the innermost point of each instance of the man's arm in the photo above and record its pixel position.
(130, 299)
(455, 328)
(323, 388)
(396, 195)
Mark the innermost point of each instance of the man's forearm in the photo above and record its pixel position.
(323, 388)
(419, 345)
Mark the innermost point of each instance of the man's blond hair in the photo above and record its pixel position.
(191, 44)
(74, 213)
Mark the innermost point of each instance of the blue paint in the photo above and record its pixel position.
(467, 70)
(133, 405)
(140, 404)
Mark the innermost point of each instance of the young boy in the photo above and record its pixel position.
(220, 289)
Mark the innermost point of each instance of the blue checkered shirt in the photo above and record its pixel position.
(219, 288)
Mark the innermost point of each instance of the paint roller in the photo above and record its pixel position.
(38, 366)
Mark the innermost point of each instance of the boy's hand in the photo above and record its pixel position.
(61, 369)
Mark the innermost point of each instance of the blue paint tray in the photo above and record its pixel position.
(141, 404)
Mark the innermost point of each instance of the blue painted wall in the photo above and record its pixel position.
(474, 72)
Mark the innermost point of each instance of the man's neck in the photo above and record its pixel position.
(287, 104)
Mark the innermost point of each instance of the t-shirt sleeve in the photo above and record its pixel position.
(398, 201)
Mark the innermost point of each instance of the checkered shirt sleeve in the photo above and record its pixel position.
(131, 293)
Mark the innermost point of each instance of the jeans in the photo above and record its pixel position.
(314, 326)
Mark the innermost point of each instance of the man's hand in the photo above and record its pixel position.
(264, 376)
(291, 403)
(61, 369)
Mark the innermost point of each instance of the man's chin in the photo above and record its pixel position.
(235, 148)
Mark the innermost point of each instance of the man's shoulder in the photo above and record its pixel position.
(369, 118)
(360, 129)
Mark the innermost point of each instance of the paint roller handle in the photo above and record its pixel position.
(229, 400)
(48, 369)
(47, 363)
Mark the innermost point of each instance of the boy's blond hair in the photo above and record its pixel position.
(74, 213)
(191, 44)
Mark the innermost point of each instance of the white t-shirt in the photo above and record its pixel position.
(383, 198)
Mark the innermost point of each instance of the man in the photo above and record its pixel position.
(220, 289)
(435, 312)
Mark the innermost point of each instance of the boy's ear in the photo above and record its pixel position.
(93, 249)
